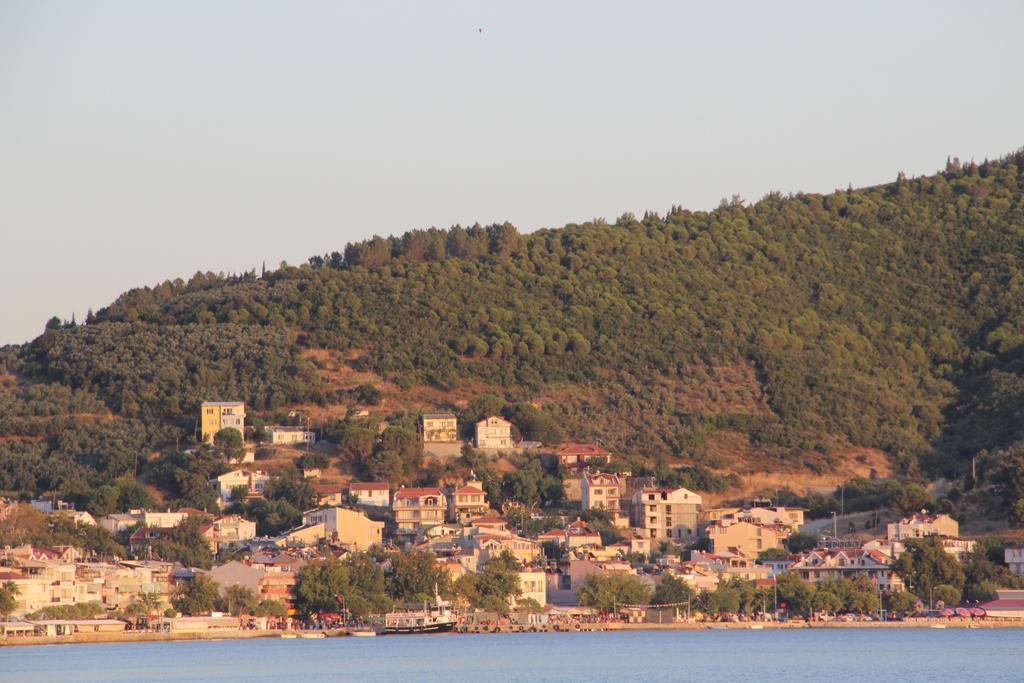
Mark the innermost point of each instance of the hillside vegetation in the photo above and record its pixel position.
(887, 317)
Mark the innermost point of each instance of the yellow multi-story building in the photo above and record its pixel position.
(218, 415)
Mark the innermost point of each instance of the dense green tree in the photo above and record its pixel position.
(608, 591)
(903, 602)
(186, 545)
(238, 600)
(8, 598)
(355, 584)
(795, 593)
(671, 590)
(949, 595)
(197, 596)
(911, 498)
(415, 575)
(229, 443)
(801, 541)
(826, 601)
(270, 608)
(925, 565)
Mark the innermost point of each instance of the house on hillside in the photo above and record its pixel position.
(252, 482)
(418, 508)
(574, 535)
(440, 428)
(922, 524)
(601, 490)
(302, 536)
(493, 433)
(218, 415)
(290, 436)
(467, 502)
(745, 537)
(573, 458)
(330, 494)
(789, 517)
(666, 514)
(348, 527)
(375, 493)
(232, 530)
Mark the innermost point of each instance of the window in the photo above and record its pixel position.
(597, 492)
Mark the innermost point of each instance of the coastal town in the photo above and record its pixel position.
(609, 548)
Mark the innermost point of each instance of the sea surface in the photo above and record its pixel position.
(832, 655)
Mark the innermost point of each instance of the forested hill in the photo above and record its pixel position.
(887, 317)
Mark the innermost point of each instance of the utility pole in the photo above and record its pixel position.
(835, 523)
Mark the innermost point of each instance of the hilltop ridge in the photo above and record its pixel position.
(789, 335)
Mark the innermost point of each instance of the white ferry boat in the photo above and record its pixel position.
(435, 618)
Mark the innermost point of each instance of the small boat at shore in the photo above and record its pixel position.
(363, 632)
(313, 635)
(288, 635)
(756, 627)
(937, 626)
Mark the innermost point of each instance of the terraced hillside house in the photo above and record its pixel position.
(290, 436)
(665, 514)
(440, 428)
(236, 482)
(468, 502)
(573, 458)
(601, 490)
(418, 508)
(922, 524)
(330, 494)
(745, 537)
(232, 530)
(348, 527)
(218, 415)
(493, 433)
(375, 493)
(789, 517)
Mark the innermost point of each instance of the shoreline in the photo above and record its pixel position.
(152, 637)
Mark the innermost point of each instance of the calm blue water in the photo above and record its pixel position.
(810, 655)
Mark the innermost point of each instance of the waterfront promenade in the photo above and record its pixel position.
(554, 628)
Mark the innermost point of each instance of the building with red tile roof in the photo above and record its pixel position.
(573, 458)
(418, 508)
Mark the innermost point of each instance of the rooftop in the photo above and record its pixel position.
(415, 492)
(368, 485)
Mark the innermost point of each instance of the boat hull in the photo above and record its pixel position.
(427, 628)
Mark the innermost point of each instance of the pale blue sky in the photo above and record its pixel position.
(141, 141)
